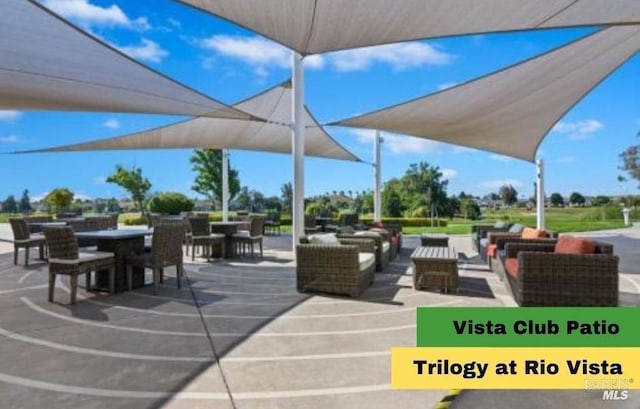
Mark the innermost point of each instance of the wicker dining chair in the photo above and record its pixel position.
(249, 237)
(201, 236)
(23, 239)
(166, 251)
(65, 258)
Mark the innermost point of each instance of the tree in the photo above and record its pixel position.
(25, 202)
(601, 200)
(133, 182)
(630, 159)
(286, 192)
(469, 209)
(509, 195)
(10, 205)
(59, 199)
(425, 188)
(207, 163)
(576, 199)
(392, 204)
(171, 203)
(556, 200)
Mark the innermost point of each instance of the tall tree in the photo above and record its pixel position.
(630, 159)
(392, 203)
(9, 205)
(509, 195)
(576, 199)
(25, 202)
(59, 199)
(425, 187)
(133, 182)
(286, 195)
(207, 163)
(556, 200)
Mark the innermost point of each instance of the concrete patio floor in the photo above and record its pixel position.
(238, 335)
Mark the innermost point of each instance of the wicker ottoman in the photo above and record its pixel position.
(435, 267)
(433, 240)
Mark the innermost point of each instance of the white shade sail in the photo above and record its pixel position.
(47, 63)
(510, 111)
(219, 133)
(317, 26)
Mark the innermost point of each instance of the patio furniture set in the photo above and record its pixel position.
(542, 269)
(119, 257)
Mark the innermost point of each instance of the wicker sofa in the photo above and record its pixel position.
(540, 274)
(382, 245)
(347, 267)
(480, 231)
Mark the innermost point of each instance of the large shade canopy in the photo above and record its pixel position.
(218, 133)
(316, 26)
(47, 63)
(511, 111)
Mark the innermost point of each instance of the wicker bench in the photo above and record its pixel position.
(435, 267)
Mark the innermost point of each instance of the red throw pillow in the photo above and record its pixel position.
(574, 245)
(492, 250)
(529, 233)
(511, 267)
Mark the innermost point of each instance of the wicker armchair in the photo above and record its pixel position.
(65, 258)
(23, 239)
(310, 225)
(382, 246)
(250, 237)
(348, 268)
(166, 250)
(544, 278)
(480, 231)
(201, 236)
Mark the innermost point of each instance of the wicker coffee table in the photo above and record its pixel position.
(435, 267)
(434, 240)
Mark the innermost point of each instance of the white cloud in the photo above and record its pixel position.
(9, 139)
(255, 51)
(578, 130)
(174, 22)
(400, 144)
(497, 184)
(87, 14)
(147, 50)
(9, 116)
(400, 56)
(111, 123)
(446, 85)
(462, 149)
(566, 159)
(448, 174)
(501, 158)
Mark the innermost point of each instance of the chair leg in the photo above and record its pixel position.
(193, 252)
(15, 256)
(130, 276)
(26, 256)
(87, 280)
(161, 275)
(179, 273)
(261, 255)
(156, 278)
(52, 284)
(112, 280)
(73, 278)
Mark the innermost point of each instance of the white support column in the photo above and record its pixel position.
(297, 149)
(540, 194)
(377, 200)
(225, 185)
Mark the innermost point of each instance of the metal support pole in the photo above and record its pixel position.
(297, 149)
(540, 194)
(225, 185)
(377, 199)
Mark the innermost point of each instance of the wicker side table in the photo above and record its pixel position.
(433, 240)
(435, 267)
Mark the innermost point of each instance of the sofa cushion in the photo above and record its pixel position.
(366, 260)
(516, 228)
(492, 250)
(367, 234)
(324, 239)
(511, 266)
(529, 233)
(484, 242)
(500, 224)
(574, 245)
(385, 246)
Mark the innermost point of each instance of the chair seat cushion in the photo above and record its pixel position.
(84, 257)
(516, 228)
(366, 260)
(511, 266)
(484, 242)
(385, 246)
(492, 250)
(574, 245)
(500, 224)
(529, 233)
(330, 238)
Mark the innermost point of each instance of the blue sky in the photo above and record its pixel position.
(230, 64)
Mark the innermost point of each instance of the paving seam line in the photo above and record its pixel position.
(447, 401)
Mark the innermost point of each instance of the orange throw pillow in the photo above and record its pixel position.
(574, 245)
(511, 267)
(492, 250)
(529, 233)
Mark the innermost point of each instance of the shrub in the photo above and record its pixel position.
(171, 203)
(135, 221)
